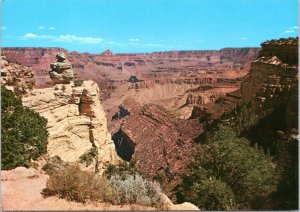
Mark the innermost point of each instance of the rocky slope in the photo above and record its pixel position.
(36, 58)
(17, 77)
(149, 132)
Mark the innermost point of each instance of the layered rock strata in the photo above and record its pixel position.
(159, 144)
(272, 83)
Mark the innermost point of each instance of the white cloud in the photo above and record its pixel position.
(74, 38)
(134, 39)
(41, 27)
(30, 35)
(63, 38)
(244, 38)
(3, 28)
(134, 44)
(52, 28)
(294, 27)
(153, 45)
(289, 31)
(113, 43)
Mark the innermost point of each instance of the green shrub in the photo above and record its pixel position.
(63, 88)
(214, 194)
(88, 157)
(123, 169)
(246, 174)
(23, 132)
(78, 83)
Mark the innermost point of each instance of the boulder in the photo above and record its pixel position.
(186, 206)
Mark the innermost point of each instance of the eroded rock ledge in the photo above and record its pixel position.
(76, 122)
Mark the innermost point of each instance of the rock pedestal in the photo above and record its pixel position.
(61, 70)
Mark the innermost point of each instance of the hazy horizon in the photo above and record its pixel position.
(149, 52)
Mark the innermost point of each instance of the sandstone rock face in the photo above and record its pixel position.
(158, 143)
(61, 70)
(17, 77)
(273, 79)
(268, 80)
(76, 122)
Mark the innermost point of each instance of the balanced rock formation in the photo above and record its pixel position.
(17, 77)
(77, 123)
(61, 70)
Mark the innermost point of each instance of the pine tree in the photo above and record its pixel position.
(23, 132)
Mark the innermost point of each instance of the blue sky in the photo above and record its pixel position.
(146, 25)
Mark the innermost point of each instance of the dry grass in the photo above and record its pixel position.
(76, 185)
(71, 183)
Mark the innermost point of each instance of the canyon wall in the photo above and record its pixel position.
(270, 87)
(103, 67)
(160, 77)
